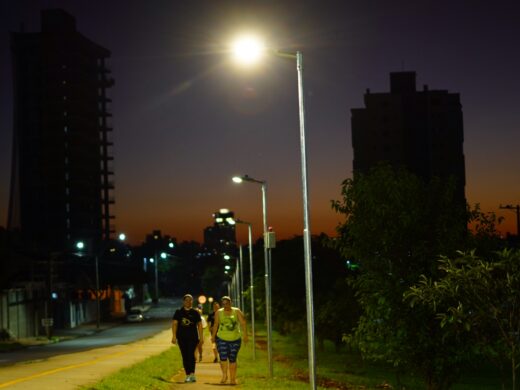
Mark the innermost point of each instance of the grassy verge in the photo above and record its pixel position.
(153, 373)
(338, 370)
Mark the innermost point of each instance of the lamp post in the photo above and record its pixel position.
(80, 245)
(248, 50)
(241, 278)
(163, 255)
(267, 265)
(251, 281)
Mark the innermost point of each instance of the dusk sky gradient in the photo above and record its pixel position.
(187, 118)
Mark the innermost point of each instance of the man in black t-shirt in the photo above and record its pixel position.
(187, 333)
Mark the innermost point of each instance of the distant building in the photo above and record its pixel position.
(420, 130)
(61, 185)
(222, 235)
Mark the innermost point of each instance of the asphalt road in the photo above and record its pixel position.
(157, 319)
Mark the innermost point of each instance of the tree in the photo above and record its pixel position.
(479, 298)
(396, 225)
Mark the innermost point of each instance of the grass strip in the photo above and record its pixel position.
(154, 372)
(342, 370)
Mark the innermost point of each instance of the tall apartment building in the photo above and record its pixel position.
(61, 183)
(222, 235)
(420, 130)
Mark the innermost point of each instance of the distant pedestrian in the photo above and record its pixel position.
(211, 323)
(187, 333)
(228, 331)
(204, 325)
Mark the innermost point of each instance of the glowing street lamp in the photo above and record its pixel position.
(80, 245)
(251, 281)
(247, 50)
(155, 260)
(267, 265)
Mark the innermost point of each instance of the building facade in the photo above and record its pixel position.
(221, 236)
(61, 183)
(419, 130)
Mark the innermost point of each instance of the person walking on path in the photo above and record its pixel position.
(228, 331)
(211, 323)
(187, 333)
(204, 325)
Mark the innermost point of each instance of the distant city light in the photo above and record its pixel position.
(163, 255)
(80, 245)
(122, 236)
(227, 257)
(171, 244)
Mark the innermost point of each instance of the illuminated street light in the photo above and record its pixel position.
(251, 280)
(267, 266)
(249, 51)
(155, 260)
(81, 245)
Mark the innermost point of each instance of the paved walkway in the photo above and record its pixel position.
(70, 371)
(73, 370)
(208, 373)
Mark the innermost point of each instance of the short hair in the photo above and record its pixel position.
(187, 296)
(225, 298)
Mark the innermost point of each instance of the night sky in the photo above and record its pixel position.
(187, 119)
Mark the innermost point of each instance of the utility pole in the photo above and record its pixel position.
(517, 209)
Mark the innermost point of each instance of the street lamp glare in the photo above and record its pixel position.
(80, 245)
(122, 236)
(247, 49)
(237, 179)
(163, 255)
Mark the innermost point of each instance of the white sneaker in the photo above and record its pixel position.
(188, 379)
(193, 379)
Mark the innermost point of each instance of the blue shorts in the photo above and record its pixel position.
(228, 349)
